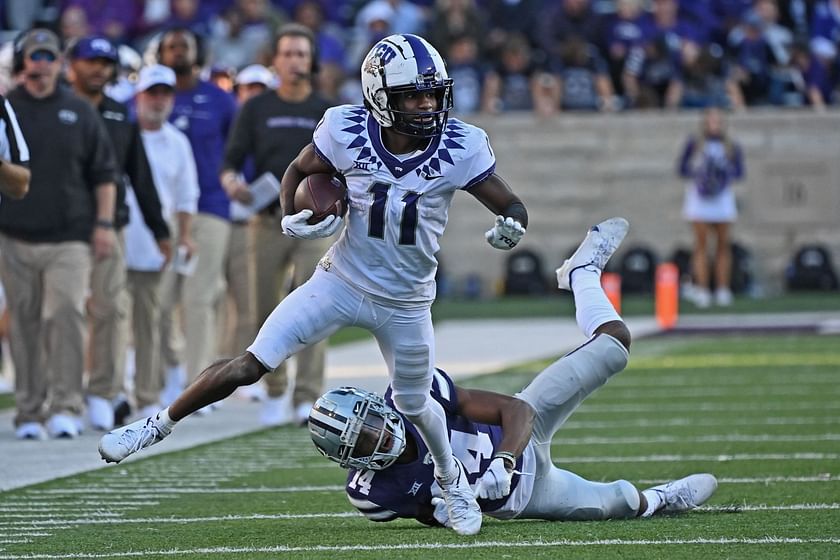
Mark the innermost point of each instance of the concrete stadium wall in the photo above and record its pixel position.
(575, 170)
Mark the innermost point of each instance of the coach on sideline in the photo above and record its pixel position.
(14, 154)
(92, 64)
(49, 238)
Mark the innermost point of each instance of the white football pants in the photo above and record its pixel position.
(555, 394)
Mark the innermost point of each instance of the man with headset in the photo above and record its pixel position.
(93, 62)
(51, 237)
(272, 128)
(204, 113)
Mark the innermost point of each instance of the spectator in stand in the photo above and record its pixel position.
(453, 19)
(651, 75)
(194, 15)
(796, 15)
(48, 242)
(153, 284)
(752, 64)
(822, 76)
(467, 73)
(242, 35)
(114, 19)
(583, 78)
(406, 16)
(561, 21)
(73, 24)
(516, 84)
(778, 37)
(626, 29)
(204, 113)
(505, 17)
(825, 29)
(372, 25)
(711, 161)
(705, 18)
(93, 62)
(703, 75)
(332, 56)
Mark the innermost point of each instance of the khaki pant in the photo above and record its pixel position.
(108, 307)
(239, 307)
(144, 287)
(47, 284)
(284, 263)
(201, 292)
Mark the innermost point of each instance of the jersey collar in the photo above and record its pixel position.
(397, 168)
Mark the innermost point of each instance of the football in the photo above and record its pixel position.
(322, 193)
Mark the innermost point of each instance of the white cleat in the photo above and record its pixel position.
(463, 510)
(685, 494)
(595, 249)
(118, 444)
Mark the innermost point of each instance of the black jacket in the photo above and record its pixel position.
(70, 155)
(132, 168)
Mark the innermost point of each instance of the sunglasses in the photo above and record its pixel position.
(42, 55)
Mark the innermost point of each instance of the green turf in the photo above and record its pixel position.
(760, 412)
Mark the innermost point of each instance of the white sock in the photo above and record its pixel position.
(654, 502)
(592, 308)
(431, 423)
(164, 422)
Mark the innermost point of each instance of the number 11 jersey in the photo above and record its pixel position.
(398, 204)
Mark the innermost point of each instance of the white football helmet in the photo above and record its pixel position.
(402, 63)
(356, 428)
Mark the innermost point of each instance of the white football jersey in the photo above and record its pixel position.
(399, 204)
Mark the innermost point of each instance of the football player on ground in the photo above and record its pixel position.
(403, 159)
(503, 442)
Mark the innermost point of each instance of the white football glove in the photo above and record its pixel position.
(505, 234)
(295, 226)
(441, 514)
(494, 484)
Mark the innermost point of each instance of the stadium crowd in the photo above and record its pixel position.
(505, 55)
(171, 82)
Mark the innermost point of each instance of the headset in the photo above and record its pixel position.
(298, 30)
(200, 49)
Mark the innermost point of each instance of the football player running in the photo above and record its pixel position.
(403, 159)
(503, 442)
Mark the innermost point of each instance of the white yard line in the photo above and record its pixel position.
(436, 546)
(347, 514)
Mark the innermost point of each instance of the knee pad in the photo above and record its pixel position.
(624, 503)
(410, 404)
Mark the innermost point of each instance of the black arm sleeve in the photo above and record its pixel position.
(138, 170)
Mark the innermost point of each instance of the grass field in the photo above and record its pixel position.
(760, 412)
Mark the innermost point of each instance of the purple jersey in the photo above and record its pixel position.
(406, 489)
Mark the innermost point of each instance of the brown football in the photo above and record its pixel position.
(324, 194)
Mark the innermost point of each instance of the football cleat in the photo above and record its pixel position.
(118, 444)
(684, 494)
(463, 510)
(595, 249)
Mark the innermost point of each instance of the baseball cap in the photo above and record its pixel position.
(155, 75)
(40, 40)
(89, 48)
(255, 74)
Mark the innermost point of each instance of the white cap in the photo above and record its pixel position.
(256, 74)
(155, 75)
